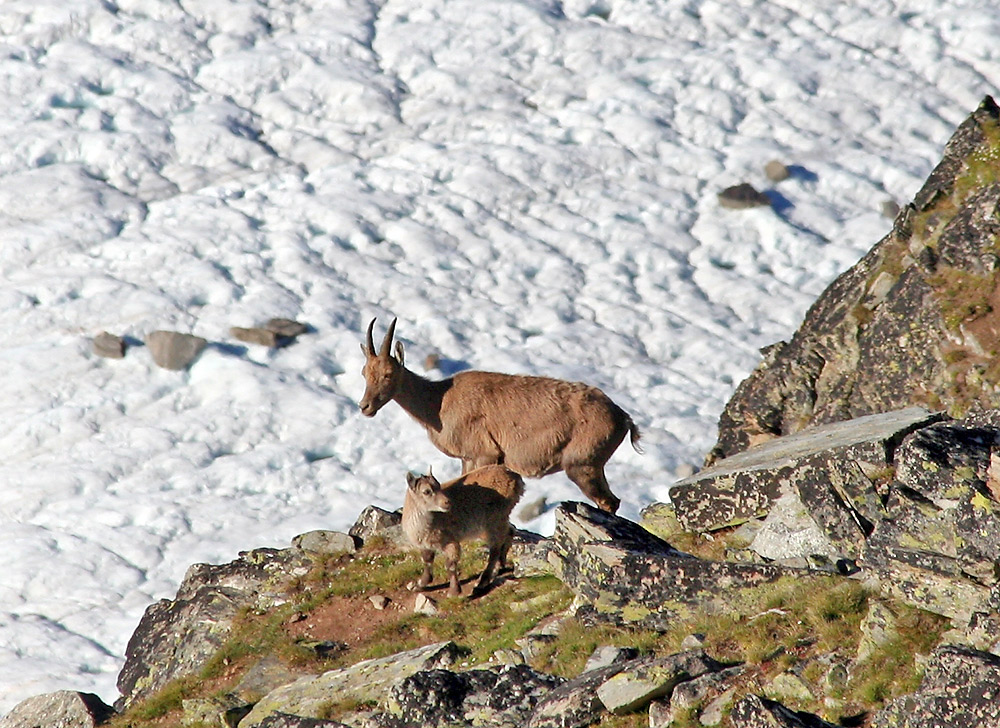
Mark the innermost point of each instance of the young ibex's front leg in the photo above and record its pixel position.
(452, 554)
(427, 555)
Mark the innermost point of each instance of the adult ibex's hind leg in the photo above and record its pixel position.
(591, 480)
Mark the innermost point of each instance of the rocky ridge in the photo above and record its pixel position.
(861, 459)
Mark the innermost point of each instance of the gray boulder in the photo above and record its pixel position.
(62, 709)
(377, 522)
(173, 350)
(575, 703)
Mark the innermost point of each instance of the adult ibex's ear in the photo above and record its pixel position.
(399, 352)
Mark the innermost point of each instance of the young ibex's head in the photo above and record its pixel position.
(382, 371)
(426, 490)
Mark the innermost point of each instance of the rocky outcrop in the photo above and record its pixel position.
(178, 637)
(915, 322)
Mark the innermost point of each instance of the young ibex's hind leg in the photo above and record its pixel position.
(427, 556)
(591, 480)
(504, 550)
(452, 554)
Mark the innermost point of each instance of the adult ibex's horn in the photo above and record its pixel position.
(387, 341)
(369, 343)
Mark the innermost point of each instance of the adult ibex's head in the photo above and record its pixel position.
(382, 371)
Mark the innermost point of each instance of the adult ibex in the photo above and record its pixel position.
(533, 425)
(474, 505)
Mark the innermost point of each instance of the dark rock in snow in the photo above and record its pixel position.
(743, 196)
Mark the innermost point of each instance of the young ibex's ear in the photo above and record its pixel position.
(399, 352)
(411, 480)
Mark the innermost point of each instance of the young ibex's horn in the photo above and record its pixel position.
(387, 341)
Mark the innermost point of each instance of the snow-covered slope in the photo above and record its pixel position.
(530, 186)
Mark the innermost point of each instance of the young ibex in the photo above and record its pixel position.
(533, 425)
(474, 505)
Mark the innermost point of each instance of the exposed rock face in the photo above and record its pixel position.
(177, 637)
(915, 322)
(62, 709)
(831, 469)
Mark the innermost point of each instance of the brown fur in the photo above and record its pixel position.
(477, 504)
(534, 425)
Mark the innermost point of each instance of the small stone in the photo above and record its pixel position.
(109, 346)
(173, 350)
(432, 361)
(776, 171)
(609, 655)
(743, 196)
(261, 337)
(423, 604)
(531, 511)
(379, 601)
(694, 641)
(890, 209)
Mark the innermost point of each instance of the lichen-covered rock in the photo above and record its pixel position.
(366, 681)
(575, 703)
(62, 709)
(709, 692)
(960, 687)
(914, 322)
(832, 470)
(754, 711)
(177, 637)
(645, 680)
(625, 575)
(499, 697)
(940, 543)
